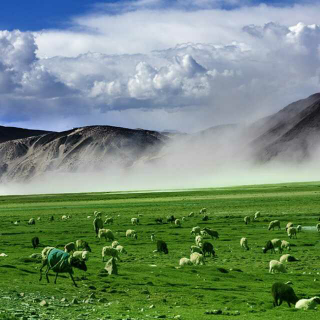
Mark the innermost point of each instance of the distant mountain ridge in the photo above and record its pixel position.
(12, 133)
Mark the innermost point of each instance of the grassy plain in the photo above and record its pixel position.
(150, 285)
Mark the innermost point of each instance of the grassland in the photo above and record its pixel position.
(150, 285)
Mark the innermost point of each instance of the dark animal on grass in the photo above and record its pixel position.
(159, 220)
(171, 219)
(211, 233)
(283, 292)
(205, 218)
(207, 247)
(60, 261)
(268, 246)
(272, 245)
(82, 245)
(35, 242)
(162, 247)
(97, 225)
(51, 218)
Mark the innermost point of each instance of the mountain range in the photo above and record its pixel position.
(292, 134)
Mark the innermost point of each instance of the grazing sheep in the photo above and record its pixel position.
(97, 214)
(108, 220)
(308, 304)
(152, 237)
(197, 258)
(244, 243)
(110, 252)
(106, 233)
(171, 219)
(60, 262)
(283, 292)
(64, 217)
(39, 218)
(211, 233)
(246, 219)
(82, 244)
(81, 255)
(207, 247)
(257, 215)
(196, 249)
(135, 221)
(299, 228)
(273, 224)
(191, 214)
(292, 232)
(184, 262)
(159, 220)
(198, 239)
(35, 242)
(289, 225)
(272, 245)
(205, 218)
(131, 234)
(97, 225)
(285, 245)
(114, 244)
(31, 221)
(195, 230)
(70, 247)
(162, 247)
(203, 233)
(276, 266)
(287, 258)
(177, 222)
(318, 227)
(183, 219)
(121, 249)
(203, 210)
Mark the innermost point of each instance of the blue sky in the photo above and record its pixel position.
(34, 15)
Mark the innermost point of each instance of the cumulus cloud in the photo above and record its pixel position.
(230, 68)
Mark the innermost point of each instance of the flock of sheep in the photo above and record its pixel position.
(75, 254)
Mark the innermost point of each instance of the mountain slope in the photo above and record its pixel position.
(87, 148)
(12, 133)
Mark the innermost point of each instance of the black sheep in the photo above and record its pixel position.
(159, 220)
(35, 242)
(268, 246)
(171, 219)
(207, 247)
(205, 218)
(283, 292)
(162, 247)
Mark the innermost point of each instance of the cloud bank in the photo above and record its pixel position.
(161, 67)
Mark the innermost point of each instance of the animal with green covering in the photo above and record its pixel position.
(60, 262)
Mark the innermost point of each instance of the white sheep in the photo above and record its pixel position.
(121, 249)
(287, 258)
(257, 215)
(273, 224)
(292, 232)
(191, 214)
(39, 218)
(244, 243)
(134, 221)
(82, 255)
(131, 234)
(177, 222)
(196, 249)
(152, 237)
(285, 245)
(289, 225)
(276, 266)
(197, 258)
(185, 262)
(31, 221)
(111, 252)
(198, 239)
(64, 217)
(246, 219)
(97, 214)
(183, 219)
(203, 233)
(299, 228)
(195, 230)
(106, 233)
(318, 227)
(114, 244)
(108, 220)
(203, 210)
(308, 304)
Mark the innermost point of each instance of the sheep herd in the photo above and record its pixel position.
(76, 254)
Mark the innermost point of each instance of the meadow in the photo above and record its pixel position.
(150, 285)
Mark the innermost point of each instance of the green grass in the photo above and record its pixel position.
(190, 291)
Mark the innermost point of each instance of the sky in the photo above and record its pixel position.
(156, 64)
